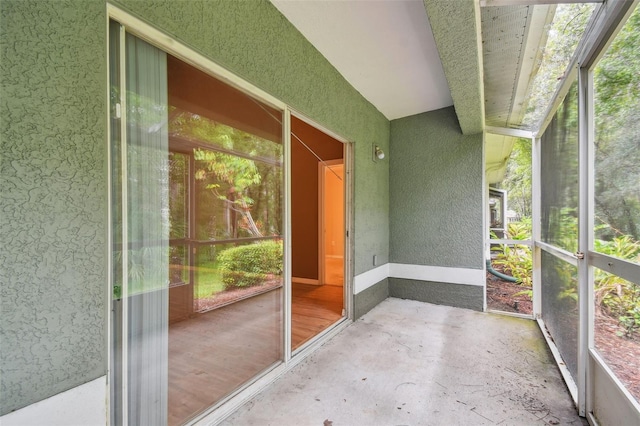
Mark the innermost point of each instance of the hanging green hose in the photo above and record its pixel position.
(499, 274)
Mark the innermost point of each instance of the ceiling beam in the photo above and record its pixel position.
(503, 131)
(456, 30)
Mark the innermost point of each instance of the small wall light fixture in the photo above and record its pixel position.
(378, 153)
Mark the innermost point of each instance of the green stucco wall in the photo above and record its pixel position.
(54, 166)
(456, 295)
(254, 41)
(436, 190)
(53, 202)
(456, 30)
(369, 298)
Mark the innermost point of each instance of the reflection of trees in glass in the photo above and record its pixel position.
(617, 112)
(238, 174)
(147, 191)
(238, 180)
(201, 129)
(178, 194)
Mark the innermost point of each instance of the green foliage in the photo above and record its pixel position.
(238, 172)
(517, 180)
(631, 321)
(178, 194)
(564, 35)
(617, 134)
(564, 231)
(208, 279)
(233, 178)
(196, 127)
(252, 264)
(516, 260)
(618, 297)
(147, 270)
(519, 230)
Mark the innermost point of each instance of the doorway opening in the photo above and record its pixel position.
(509, 257)
(318, 232)
(331, 224)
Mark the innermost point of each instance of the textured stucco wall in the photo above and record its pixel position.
(456, 30)
(254, 41)
(457, 295)
(369, 298)
(435, 192)
(53, 221)
(54, 170)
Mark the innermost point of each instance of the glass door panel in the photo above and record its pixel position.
(197, 230)
(180, 280)
(234, 330)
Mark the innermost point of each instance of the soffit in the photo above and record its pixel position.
(512, 37)
(512, 41)
(384, 49)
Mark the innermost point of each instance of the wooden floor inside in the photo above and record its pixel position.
(314, 309)
(214, 353)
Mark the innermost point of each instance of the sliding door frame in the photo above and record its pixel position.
(348, 159)
(134, 26)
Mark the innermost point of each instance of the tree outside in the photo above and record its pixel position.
(617, 193)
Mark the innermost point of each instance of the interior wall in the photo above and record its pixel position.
(304, 194)
(54, 164)
(436, 193)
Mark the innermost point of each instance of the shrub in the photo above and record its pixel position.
(251, 264)
(619, 298)
(516, 260)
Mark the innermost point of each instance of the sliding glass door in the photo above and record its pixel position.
(197, 236)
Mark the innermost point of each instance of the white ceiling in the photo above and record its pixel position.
(383, 48)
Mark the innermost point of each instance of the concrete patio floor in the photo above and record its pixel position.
(414, 363)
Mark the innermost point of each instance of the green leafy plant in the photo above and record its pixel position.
(618, 297)
(252, 264)
(516, 260)
(630, 322)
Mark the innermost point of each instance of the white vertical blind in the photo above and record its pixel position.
(147, 232)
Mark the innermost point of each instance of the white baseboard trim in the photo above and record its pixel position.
(305, 281)
(83, 405)
(439, 274)
(371, 277)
